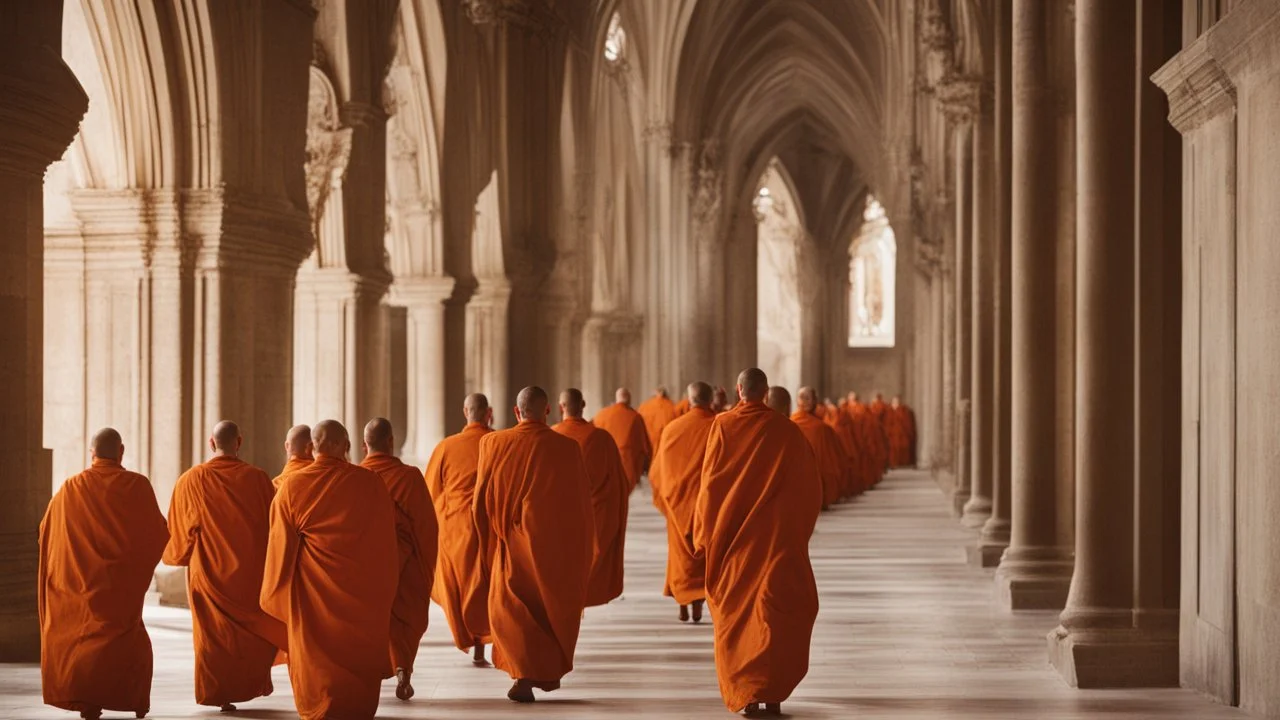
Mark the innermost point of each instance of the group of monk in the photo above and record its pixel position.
(330, 567)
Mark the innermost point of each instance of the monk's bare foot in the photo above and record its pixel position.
(751, 710)
(227, 707)
(773, 708)
(521, 692)
(684, 613)
(548, 686)
(140, 714)
(93, 714)
(404, 690)
(697, 611)
(477, 655)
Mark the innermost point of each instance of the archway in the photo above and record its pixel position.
(779, 239)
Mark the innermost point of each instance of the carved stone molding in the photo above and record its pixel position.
(708, 182)
(930, 257)
(1197, 85)
(41, 104)
(537, 17)
(328, 146)
(959, 97)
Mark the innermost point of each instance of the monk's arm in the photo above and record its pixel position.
(43, 566)
(434, 477)
(184, 528)
(282, 553)
(150, 527)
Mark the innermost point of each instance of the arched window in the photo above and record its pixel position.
(872, 271)
(615, 40)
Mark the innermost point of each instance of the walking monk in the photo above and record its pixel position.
(656, 412)
(417, 533)
(855, 470)
(219, 519)
(779, 400)
(827, 450)
(676, 476)
(871, 439)
(533, 513)
(461, 586)
(756, 510)
(298, 451)
(900, 426)
(627, 428)
(100, 541)
(331, 576)
(609, 495)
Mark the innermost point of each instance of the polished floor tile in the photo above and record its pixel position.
(906, 630)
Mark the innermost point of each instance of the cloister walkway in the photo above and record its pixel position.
(906, 630)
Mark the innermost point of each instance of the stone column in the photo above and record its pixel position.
(608, 356)
(488, 346)
(41, 104)
(995, 533)
(426, 410)
(1035, 570)
(982, 318)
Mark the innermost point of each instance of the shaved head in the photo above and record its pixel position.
(107, 445)
(752, 385)
(699, 394)
(331, 438)
(719, 399)
(297, 444)
(225, 439)
(572, 403)
(531, 404)
(806, 399)
(476, 409)
(378, 436)
(662, 392)
(622, 395)
(851, 398)
(779, 399)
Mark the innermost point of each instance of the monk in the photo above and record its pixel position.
(628, 431)
(878, 407)
(855, 470)
(720, 401)
(533, 514)
(676, 476)
(298, 451)
(682, 407)
(461, 587)
(656, 412)
(871, 440)
(100, 540)
(219, 519)
(900, 426)
(756, 511)
(417, 533)
(827, 449)
(609, 493)
(779, 400)
(331, 575)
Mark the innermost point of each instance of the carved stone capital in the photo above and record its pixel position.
(41, 104)
(1197, 85)
(534, 16)
(960, 98)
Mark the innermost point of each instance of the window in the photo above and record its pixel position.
(615, 40)
(872, 272)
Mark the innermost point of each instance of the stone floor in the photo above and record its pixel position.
(906, 630)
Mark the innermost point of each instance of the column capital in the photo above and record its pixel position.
(41, 104)
(421, 291)
(534, 16)
(960, 98)
(1197, 85)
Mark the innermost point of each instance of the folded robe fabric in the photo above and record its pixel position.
(628, 431)
(827, 451)
(676, 476)
(657, 412)
(609, 503)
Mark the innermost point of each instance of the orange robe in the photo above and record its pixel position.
(880, 409)
(628, 431)
(682, 407)
(656, 412)
(871, 442)
(331, 575)
(417, 533)
(609, 494)
(100, 541)
(900, 426)
(756, 511)
(533, 513)
(827, 451)
(219, 519)
(461, 587)
(855, 472)
(293, 465)
(677, 476)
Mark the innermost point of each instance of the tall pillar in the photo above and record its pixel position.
(1035, 570)
(488, 346)
(1098, 644)
(425, 408)
(41, 104)
(994, 537)
(982, 317)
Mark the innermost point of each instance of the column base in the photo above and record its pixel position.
(1115, 657)
(959, 499)
(976, 512)
(1036, 578)
(985, 555)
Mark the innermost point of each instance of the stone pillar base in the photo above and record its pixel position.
(1034, 579)
(1115, 657)
(976, 512)
(985, 555)
(959, 498)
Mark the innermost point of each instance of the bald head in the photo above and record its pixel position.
(806, 399)
(297, 444)
(851, 398)
(719, 399)
(753, 384)
(572, 403)
(225, 439)
(622, 395)
(662, 392)
(531, 404)
(378, 437)
(779, 399)
(476, 409)
(331, 439)
(699, 394)
(107, 445)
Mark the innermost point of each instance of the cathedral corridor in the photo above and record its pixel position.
(906, 630)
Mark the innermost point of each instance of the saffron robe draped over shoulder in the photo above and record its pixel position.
(855, 471)
(100, 540)
(417, 534)
(900, 426)
(461, 586)
(331, 576)
(533, 513)
(219, 519)
(871, 441)
(827, 451)
(293, 465)
(657, 412)
(677, 477)
(609, 503)
(628, 431)
(756, 510)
